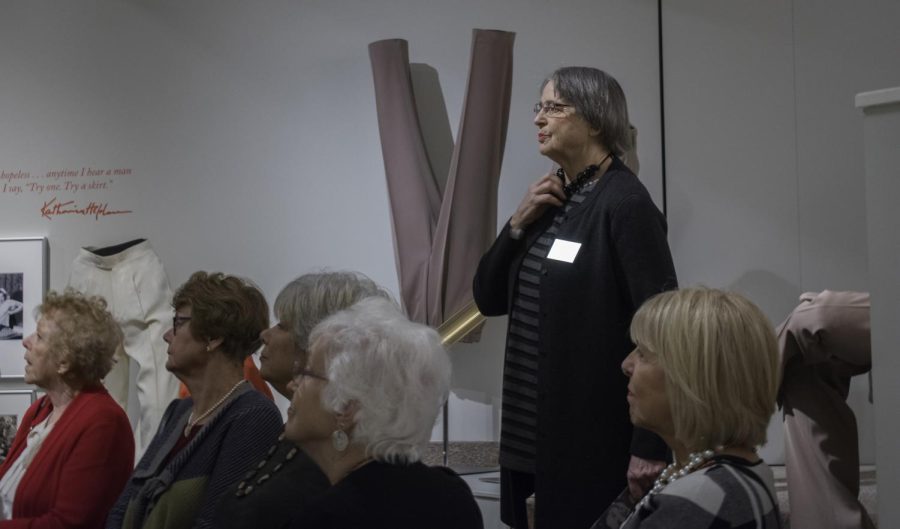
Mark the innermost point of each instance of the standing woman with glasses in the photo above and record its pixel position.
(205, 441)
(581, 253)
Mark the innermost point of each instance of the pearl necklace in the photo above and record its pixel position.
(673, 472)
(191, 423)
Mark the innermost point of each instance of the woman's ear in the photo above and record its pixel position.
(63, 367)
(301, 356)
(346, 417)
(214, 344)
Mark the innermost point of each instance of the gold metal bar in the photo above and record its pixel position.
(460, 324)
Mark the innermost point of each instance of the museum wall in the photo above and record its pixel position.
(246, 139)
(245, 134)
(764, 157)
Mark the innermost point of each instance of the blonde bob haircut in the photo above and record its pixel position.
(720, 359)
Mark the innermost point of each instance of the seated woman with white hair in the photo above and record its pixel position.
(703, 376)
(363, 407)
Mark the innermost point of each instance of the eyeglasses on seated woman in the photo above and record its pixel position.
(703, 376)
(363, 408)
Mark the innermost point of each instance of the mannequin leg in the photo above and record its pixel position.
(821, 450)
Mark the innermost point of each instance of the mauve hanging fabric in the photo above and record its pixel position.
(439, 240)
(467, 222)
(414, 194)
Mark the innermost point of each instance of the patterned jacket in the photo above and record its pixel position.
(186, 490)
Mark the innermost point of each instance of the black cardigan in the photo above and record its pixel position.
(584, 432)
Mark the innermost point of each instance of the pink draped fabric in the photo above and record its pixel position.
(438, 239)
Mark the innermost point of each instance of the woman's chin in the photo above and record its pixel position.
(291, 433)
(548, 152)
(637, 422)
(544, 149)
(171, 367)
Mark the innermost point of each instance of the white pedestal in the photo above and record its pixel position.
(881, 126)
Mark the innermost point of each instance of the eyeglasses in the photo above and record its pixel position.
(178, 321)
(300, 371)
(551, 109)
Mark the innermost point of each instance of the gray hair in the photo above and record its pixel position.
(599, 99)
(310, 298)
(395, 370)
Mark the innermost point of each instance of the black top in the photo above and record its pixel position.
(518, 439)
(281, 489)
(584, 434)
(381, 495)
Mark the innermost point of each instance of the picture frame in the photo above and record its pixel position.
(13, 405)
(24, 276)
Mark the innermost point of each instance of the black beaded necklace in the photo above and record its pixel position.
(583, 178)
(248, 484)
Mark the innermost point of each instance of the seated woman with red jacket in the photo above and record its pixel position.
(74, 450)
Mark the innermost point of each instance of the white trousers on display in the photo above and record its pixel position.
(133, 281)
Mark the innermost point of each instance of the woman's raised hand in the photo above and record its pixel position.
(545, 192)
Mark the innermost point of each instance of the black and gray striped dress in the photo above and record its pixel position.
(518, 441)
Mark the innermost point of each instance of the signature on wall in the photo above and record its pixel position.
(55, 208)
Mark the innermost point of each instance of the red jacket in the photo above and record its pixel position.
(80, 469)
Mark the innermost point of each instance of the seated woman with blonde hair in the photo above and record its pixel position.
(703, 375)
(74, 450)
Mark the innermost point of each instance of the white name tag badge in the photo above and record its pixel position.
(563, 250)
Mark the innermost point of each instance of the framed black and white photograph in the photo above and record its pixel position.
(13, 404)
(8, 426)
(11, 314)
(23, 281)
